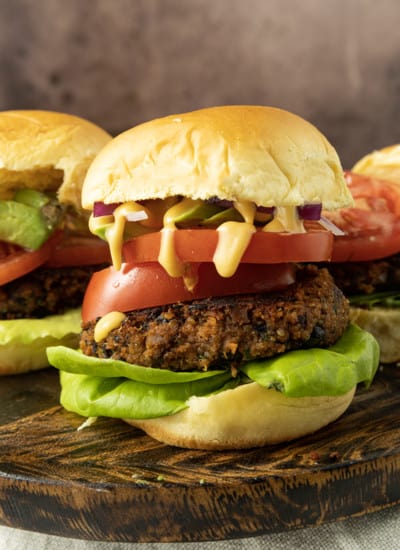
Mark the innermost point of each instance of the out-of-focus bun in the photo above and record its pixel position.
(383, 164)
(384, 324)
(244, 417)
(262, 154)
(47, 150)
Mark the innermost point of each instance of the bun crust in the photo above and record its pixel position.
(384, 324)
(261, 154)
(383, 164)
(43, 149)
(247, 416)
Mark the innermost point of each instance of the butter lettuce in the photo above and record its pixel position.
(23, 342)
(104, 387)
(313, 372)
(125, 398)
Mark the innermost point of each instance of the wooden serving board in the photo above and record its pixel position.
(111, 482)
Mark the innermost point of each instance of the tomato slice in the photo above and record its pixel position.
(79, 251)
(138, 286)
(198, 245)
(16, 262)
(372, 226)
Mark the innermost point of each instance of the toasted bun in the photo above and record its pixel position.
(383, 164)
(247, 416)
(384, 324)
(47, 150)
(261, 154)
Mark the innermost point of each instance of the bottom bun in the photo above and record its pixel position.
(247, 416)
(384, 324)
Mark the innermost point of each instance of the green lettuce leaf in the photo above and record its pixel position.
(73, 361)
(26, 331)
(23, 342)
(132, 391)
(123, 398)
(314, 372)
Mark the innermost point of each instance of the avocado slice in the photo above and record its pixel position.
(199, 212)
(29, 219)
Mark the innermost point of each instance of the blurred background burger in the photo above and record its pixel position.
(46, 252)
(366, 257)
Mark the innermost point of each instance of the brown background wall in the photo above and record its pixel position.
(120, 62)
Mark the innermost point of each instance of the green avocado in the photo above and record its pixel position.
(198, 213)
(28, 219)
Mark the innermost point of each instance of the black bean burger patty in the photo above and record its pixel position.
(219, 332)
(44, 292)
(367, 277)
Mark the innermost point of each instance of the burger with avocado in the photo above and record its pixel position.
(366, 257)
(210, 330)
(46, 252)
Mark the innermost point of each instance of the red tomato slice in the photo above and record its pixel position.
(198, 245)
(372, 226)
(138, 286)
(78, 251)
(15, 262)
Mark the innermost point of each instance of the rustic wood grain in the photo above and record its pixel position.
(111, 482)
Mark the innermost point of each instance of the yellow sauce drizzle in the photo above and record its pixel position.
(115, 233)
(233, 239)
(285, 219)
(167, 256)
(106, 324)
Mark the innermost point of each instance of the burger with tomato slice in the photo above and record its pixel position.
(210, 330)
(366, 257)
(47, 253)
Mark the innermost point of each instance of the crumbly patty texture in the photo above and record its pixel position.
(44, 292)
(225, 332)
(367, 277)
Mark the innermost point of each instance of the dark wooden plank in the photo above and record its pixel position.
(111, 482)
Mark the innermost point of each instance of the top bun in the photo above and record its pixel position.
(46, 150)
(261, 154)
(383, 164)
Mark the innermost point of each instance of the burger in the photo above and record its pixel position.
(47, 253)
(366, 256)
(211, 329)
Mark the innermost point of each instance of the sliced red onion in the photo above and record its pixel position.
(310, 211)
(223, 203)
(102, 209)
(138, 216)
(330, 226)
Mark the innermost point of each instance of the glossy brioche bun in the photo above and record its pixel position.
(384, 324)
(261, 154)
(244, 417)
(383, 164)
(46, 149)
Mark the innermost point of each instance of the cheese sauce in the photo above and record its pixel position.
(106, 324)
(167, 256)
(115, 233)
(285, 219)
(233, 237)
